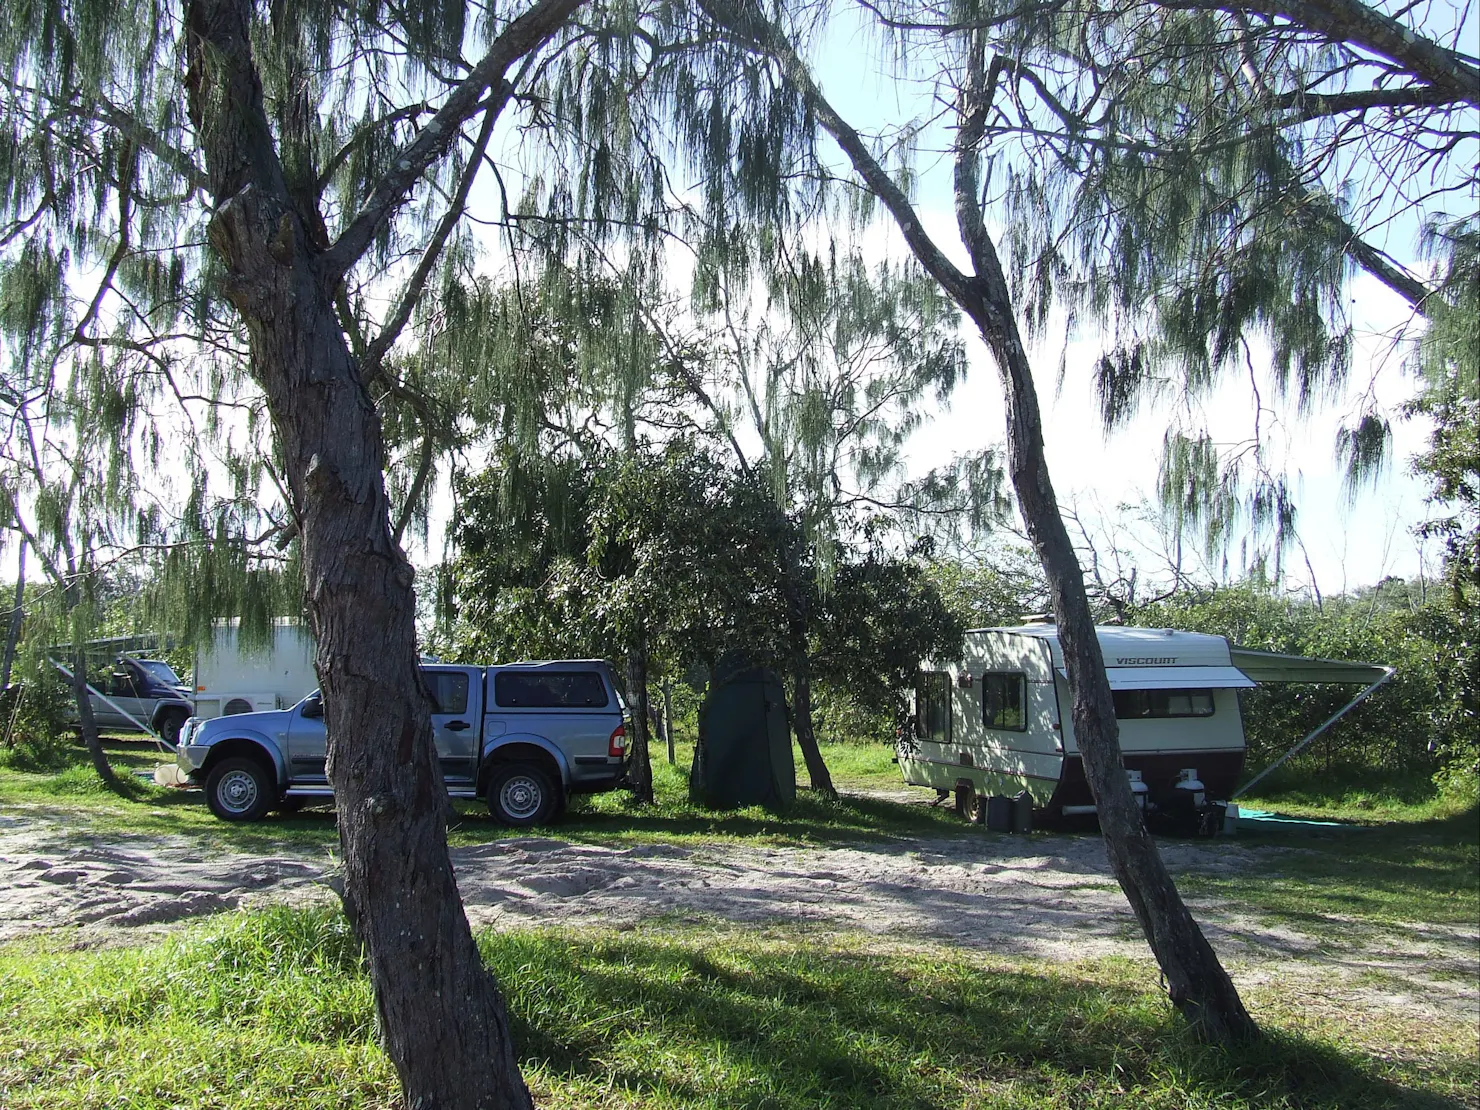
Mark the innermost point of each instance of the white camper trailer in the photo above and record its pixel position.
(998, 722)
(230, 680)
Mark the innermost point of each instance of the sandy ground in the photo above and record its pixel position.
(1040, 896)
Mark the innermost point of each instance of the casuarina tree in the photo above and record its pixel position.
(268, 161)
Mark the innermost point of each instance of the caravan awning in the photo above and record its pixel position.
(1175, 678)
(1271, 666)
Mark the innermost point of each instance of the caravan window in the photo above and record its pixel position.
(1005, 700)
(933, 706)
(1133, 705)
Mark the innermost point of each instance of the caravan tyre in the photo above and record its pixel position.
(520, 795)
(240, 789)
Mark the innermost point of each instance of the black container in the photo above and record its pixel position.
(1022, 813)
(999, 813)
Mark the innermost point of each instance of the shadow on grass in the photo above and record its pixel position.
(1417, 871)
(730, 1022)
(812, 819)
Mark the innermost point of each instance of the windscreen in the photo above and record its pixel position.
(159, 670)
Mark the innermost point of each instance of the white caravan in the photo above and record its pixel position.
(230, 681)
(997, 722)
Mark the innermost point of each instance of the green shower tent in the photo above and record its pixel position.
(744, 752)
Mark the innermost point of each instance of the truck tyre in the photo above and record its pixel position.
(240, 789)
(520, 795)
(170, 724)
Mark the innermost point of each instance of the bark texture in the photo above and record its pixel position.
(1197, 983)
(668, 718)
(17, 615)
(639, 758)
(442, 1017)
(87, 724)
(797, 617)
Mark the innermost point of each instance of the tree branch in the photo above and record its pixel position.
(1361, 26)
(748, 28)
(374, 357)
(525, 34)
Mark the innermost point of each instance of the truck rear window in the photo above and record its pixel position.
(549, 690)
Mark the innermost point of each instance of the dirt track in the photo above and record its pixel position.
(1042, 896)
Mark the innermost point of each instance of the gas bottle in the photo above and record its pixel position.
(1187, 780)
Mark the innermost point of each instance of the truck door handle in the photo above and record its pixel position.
(456, 726)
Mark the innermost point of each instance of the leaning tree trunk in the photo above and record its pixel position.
(17, 616)
(442, 1017)
(797, 615)
(639, 759)
(1196, 981)
(801, 705)
(87, 724)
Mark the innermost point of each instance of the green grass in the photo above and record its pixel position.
(1358, 796)
(1330, 881)
(1411, 853)
(77, 797)
(614, 818)
(273, 1010)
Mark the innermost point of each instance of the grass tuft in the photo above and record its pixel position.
(273, 1009)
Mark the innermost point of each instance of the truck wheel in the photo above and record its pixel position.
(170, 725)
(520, 795)
(240, 789)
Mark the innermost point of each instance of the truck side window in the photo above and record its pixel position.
(1005, 700)
(549, 690)
(933, 706)
(449, 690)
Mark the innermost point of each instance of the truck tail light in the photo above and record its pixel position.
(616, 747)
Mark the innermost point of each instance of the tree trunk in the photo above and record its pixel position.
(801, 705)
(442, 1017)
(1197, 983)
(87, 723)
(797, 616)
(701, 747)
(639, 759)
(668, 719)
(17, 614)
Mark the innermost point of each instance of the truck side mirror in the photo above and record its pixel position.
(313, 705)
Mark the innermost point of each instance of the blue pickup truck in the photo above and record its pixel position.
(523, 736)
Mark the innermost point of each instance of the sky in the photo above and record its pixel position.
(1348, 543)
(1344, 542)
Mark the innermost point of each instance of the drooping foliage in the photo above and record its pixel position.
(1450, 398)
(1198, 183)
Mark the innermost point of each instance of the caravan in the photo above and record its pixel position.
(232, 677)
(997, 722)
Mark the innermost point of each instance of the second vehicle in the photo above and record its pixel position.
(522, 736)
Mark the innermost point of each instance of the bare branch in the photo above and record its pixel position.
(375, 353)
(525, 34)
